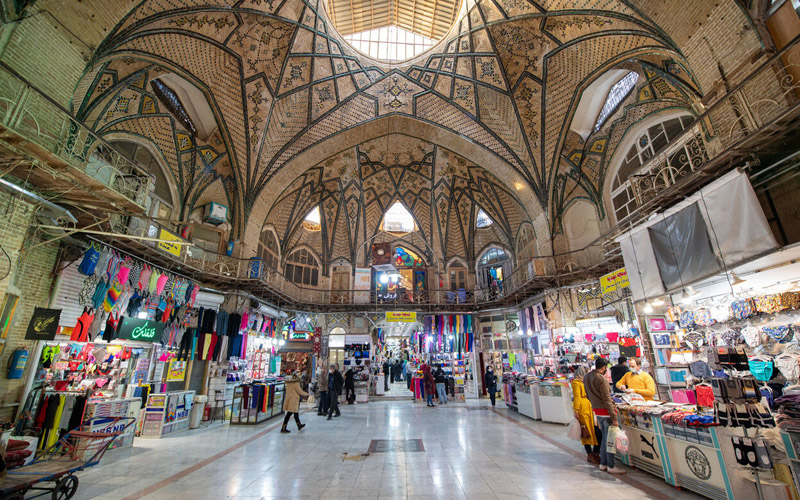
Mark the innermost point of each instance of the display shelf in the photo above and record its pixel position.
(248, 406)
(166, 413)
(555, 401)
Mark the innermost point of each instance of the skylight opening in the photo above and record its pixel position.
(390, 43)
(398, 219)
(616, 95)
(313, 221)
(482, 220)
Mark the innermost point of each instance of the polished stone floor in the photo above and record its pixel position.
(470, 451)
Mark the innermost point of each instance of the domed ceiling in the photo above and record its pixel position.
(288, 101)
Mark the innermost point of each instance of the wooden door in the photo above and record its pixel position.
(340, 286)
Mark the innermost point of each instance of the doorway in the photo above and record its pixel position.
(494, 266)
(340, 285)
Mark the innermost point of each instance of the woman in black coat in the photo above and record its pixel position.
(490, 382)
(350, 386)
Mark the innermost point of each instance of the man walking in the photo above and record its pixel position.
(599, 393)
(335, 383)
(386, 374)
(322, 384)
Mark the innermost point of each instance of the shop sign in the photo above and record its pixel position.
(143, 330)
(166, 243)
(176, 371)
(43, 324)
(298, 335)
(613, 281)
(401, 317)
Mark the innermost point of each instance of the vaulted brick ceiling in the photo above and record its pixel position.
(284, 88)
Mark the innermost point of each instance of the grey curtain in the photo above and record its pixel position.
(682, 248)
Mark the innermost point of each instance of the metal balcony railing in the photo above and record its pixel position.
(33, 116)
(746, 112)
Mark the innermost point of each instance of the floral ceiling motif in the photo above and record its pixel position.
(279, 82)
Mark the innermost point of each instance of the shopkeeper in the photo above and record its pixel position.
(637, 381)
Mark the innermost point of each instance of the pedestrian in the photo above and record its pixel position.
(582, 408)
(335, 383)
(386, 374)
(440, 380)
(599, 393)
(397, 369)
(618, 371)
(322, 384)
(291, 402)
(427, 378)
(637, 381)
(407, 371)
(350, 386)
(490, 382)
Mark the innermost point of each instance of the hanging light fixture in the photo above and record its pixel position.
(648, 308)
(685, 297)
(530, 332)
(692, 291)
(736, 280)
(384, 278)
(521, 332)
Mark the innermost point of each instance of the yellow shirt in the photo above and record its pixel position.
(641, 383)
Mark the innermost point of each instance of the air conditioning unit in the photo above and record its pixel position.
(214, 213)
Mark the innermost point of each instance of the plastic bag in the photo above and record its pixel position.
(621, 442)
(574, 430)
(611, 441)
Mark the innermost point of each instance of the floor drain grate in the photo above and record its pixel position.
(393, 445)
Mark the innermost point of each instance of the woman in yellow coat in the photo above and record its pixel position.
(584, 415)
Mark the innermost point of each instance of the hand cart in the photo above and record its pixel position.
(53, 473)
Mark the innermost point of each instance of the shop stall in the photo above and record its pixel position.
(555, 401)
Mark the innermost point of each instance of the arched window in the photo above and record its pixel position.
(525, 243)
(398, 220)
(313, 221)
(268, 250)
(493, 268)
(492, 256)
(648, 144)
(616, 95)
(482, 220)
(160, 202)
(302, 268)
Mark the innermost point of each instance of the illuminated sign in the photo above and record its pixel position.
(401, 317)
(613, 281)
(143, 330)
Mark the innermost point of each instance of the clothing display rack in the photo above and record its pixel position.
(256, 402)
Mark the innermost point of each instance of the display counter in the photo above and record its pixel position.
(166, 413)
(528, 400)
(362, 391)
(101, 415)
(555, 402)
(699, 459)
(257, 402)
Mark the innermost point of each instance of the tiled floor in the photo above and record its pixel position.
(468, 454)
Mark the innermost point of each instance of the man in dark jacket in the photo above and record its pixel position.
(599, 393)
(490, 382)
(335, 383)
(386, 375)
(618, 371)
(440, 379)
(350, 386)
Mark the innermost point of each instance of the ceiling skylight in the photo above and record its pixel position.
(616, 95)
(390, 43)
(313, 221)
(398, 219)
(482, 220)
(393, 30)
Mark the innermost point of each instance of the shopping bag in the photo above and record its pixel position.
(574, 430)
(611, 441)
(621, 442)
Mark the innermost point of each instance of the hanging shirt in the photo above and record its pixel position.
(81, 330)
(89, 261)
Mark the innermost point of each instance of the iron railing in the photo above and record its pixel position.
(747, 111)
(37, 118)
